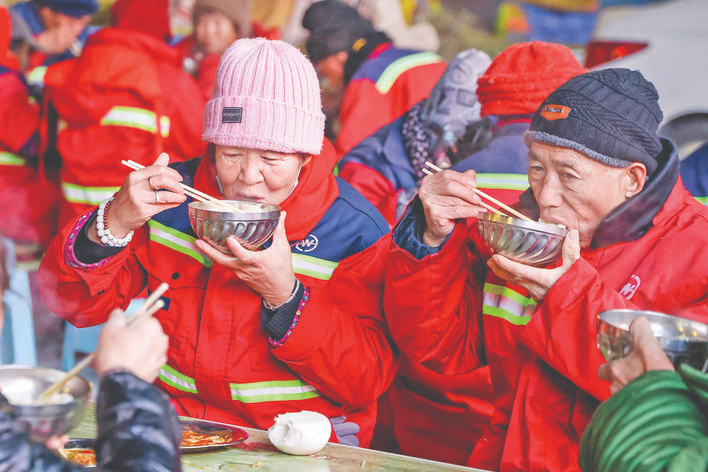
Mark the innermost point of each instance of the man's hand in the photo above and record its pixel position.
(447, 196)
(140, 348)
(646, 355)
(537, 281)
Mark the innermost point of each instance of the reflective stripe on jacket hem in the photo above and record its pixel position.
(272, 391)
(177, 380)
(504, 302)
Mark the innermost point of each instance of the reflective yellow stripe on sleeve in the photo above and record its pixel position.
(139, 118)
(86, 195)
(10, 159)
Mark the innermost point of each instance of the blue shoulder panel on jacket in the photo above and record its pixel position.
(372, 69)
(177, 218)
(348, 227)
(385, 153)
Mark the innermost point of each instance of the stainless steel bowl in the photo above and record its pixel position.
(252, 226)
(22, 384)
(528, 242)
(683, 340)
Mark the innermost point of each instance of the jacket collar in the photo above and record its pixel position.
(315, 192)
(634, 217)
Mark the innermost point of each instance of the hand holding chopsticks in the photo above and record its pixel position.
(151, 306)
(483, 195)
(192, 192)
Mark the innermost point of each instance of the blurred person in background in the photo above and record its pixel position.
(28, 202)
(126, 97)
(59, 30)
(425, 414)
(216, 25)
(296, 326)
(598, 167)
(380, 82)
(138, 429)
(387, 166)
(694, 173)
(655, 419)
(510, 91)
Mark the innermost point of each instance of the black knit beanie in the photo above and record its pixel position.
(334, 26)
(610, 115)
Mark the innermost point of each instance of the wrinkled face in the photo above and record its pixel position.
(257, 175)
(573, 190)
(214, 32)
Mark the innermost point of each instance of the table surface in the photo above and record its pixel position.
(258, 453)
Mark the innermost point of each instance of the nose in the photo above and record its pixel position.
(250, 172)
(548, 194)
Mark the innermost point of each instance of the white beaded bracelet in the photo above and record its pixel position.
(102, 226)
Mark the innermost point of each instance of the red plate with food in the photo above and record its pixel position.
(197, 436)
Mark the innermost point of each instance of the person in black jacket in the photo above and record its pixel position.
(138, 429)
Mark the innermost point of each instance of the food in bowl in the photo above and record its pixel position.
(24, 384)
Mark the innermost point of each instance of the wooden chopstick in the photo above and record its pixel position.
(151, 305)
(192, 192)
(484, 195)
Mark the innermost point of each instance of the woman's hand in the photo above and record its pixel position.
(145, 193)
(447, 196)
(268, 272)
(646, 355)
(537, 281)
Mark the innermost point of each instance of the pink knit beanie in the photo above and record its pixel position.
(266, 96)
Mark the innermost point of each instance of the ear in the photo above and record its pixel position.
(306, 160)
(636, 177)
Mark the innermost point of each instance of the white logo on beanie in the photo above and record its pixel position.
(231, 115)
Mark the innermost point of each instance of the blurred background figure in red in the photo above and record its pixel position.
(126, 97)
(27, 201)
(215, 25)
(380, 82)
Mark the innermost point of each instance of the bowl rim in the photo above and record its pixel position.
(532, 225)
(649, 314)
(196, 205)
(86, 385)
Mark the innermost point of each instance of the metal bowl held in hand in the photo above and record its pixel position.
(684, 341)
(251, 223)
(527, 242)
(22, 385)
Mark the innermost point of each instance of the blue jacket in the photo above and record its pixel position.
(502, 167)
(694, 173)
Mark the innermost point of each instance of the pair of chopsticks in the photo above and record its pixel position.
(483, 195)
(147, 309)
(192, 192)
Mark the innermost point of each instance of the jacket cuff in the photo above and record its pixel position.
(408, 233)
(88, 251)
(279, 322)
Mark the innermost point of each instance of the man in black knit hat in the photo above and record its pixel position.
(380, 82)
(636, 240)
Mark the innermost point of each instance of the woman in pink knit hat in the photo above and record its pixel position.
(294, 326)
